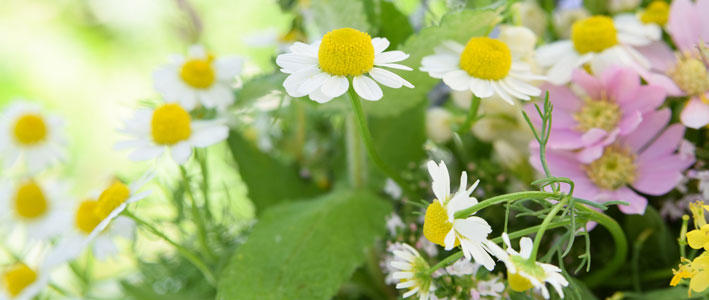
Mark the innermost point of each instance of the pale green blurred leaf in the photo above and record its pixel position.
(334, 14)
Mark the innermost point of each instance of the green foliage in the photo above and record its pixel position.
(458, 26)
(334, 14)
(258, 87)
(399, 139)
(660, 248)
(393, 24)
(306, 249)
(269, 181)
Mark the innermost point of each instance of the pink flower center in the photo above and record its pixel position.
(614, 169)
(691, 76)
(603, 114)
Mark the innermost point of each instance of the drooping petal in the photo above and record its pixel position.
(696, 113)
(367, 88)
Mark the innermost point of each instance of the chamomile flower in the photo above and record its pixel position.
(411, 271)
(484, 66)
(323, 70)
(524, 273)
(21, 282)
(169, 126)
(36, 206)
(440, 225)
(600, 42)
(31, 136)
(199, 78)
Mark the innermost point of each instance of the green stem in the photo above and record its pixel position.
(471, 117)
(355, 154)
(196, 261)
(543, 227)
(682, 240)
(621, 247)
(371, 150)
(201, 155)
(464, 213)
(197, 216)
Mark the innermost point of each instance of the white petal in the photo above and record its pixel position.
(146, 153)
(458, 80)
(390, 57)
(367, 88)
(501, 92)
(380, 44)
(388, 78)
(313, 83)
(228, 67)
(319, 97)
(292, 62)
(294, 81)
(335, 86)
(181, 152)
(525, 247)
(209, 135)
(449, 240)
(481, 88)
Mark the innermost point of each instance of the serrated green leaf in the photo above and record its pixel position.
(393, 24)
(458, 26)
(305, 250)
(334, 14)
(269, 181)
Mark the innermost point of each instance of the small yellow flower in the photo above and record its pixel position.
(697, 208)
(697, 271)
(699, 238)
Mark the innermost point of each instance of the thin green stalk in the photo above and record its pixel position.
(471, 117)
(60, 290)
(635, 259)
(356, 167)
(621, 247)
(682, 240)
(371, 150)
(197, 216)
(187, 254)
(201, 155)
(545, 224)
(464, 213)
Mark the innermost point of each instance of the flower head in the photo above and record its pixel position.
(21, 282)
(198, 79)
(646, 160)
(484, 66)
(169, 126)
(523, 273)
(412, 271)
(35, 138)
(35, 205)
(322, 70)
(611, 105)
(440, 225)
(696, 270)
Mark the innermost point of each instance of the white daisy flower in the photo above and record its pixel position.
(199, 78)
(524, 273)
(323, 70)
(411, 271)
(440, 225)
(35, 206)
(169, 126)
(600, 42)
(484, 66)
(30, 135)
(20, 282)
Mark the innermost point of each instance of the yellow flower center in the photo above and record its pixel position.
(601, 114)
(291, 36)
(657, 12)
(486, 58)
(17, 278)
(518, 283)
(198, 73)
(614, 169)
(110, 199)
(30, 202)
(170, 124)
(86, 218)
(691, 76)
(30, 129)
(593, 34)
(436, 225)
(346, 52)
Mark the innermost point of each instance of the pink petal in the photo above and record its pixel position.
(620, 83)
(637, 203)
(652, 124)
(644, 98)
(630, 122)
(665, 144)
(590, 84)
(703, 7)
(565, 139)
(661, 56)
(696, 113)
(660, 175)
(593, 135)
(562, 97)
(589, 154)
(683, 24)
(563, 163)
(661, 80)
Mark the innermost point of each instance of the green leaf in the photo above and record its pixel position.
(393, 24)
(334, 14)
(258, 87)
(305, 250)
(458, 26)
(399, 139)
(269, 181)
(660, 249)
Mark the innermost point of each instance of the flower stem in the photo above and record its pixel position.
(197, 216)
(356, 167)
(464, 213)
(471, 117)
(545, 224)
(621, 247)
(196, 261)
(201, 155)
(368, 143)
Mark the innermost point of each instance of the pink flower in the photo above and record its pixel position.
(645, 161)
(688, 26)
(612, 106)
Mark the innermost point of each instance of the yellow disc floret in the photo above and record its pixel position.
(86, 218)
(603, 114)
(436, 225)
(111, 198)
(198, 73)
(593, 34)
(614, 169)
(170, 124)
(657, 12)
(691, 76)
(518, 283)
(486, 58)
(30, 129)
(346, 52)
(17, 278)
(30, 202)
